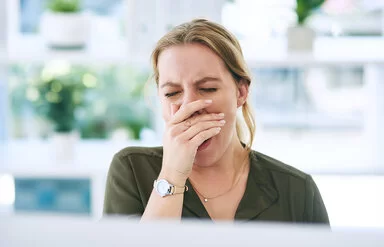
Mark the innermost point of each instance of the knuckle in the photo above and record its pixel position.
(194, 120)
(194, 128)
(209, 125)
(200, 117)
(172, 131)
(188, 122)
(169, 125)
(178, 140)
(205, 125)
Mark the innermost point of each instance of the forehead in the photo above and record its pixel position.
(188, 62)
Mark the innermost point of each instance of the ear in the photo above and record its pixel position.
(242, 93)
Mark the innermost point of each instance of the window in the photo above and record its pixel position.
(31, 11)
(109, 101)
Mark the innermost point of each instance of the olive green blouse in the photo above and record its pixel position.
(274, 191)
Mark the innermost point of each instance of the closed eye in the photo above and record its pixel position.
(209, 89)
(171, 94)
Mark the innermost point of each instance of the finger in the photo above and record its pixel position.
(183, 126)
(174, 108)
(187, 110)
(203, 117)
(204, 135)
(200, 127)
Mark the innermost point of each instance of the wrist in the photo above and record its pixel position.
(174, 177)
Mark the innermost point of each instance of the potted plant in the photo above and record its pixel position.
(63, 25)
(59, 98)
(300, 36)
(126, 113)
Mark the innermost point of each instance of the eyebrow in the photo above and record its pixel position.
(197, 82)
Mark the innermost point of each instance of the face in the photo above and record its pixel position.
(192, 72)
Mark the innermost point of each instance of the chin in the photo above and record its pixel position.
(208, 153)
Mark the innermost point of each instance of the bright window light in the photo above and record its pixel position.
(7, 189)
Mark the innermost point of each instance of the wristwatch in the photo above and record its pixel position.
(164, 188)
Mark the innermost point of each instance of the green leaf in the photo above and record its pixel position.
(304, 9)
(64, 6)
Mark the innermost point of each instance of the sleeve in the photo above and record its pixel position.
(315, 211)
(121, 192)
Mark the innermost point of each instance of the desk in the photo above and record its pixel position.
(70, 231)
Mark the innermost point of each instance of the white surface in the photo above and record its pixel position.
(327, 51)
(353, 201)
(318, 152)
(312, 152)
(29, 158)
(54, 231)
(273, 53)
(374, 112)
(33, 49)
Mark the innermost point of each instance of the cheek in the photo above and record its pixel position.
(228, 104)
(228, 107)
(230, 118)
(230, 114)
(166, 110)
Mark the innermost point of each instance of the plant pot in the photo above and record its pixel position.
(300, 39)
(64, 146)
(64, 30)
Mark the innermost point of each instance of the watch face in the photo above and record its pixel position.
(163, 187)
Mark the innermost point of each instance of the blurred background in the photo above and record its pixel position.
(75, 89)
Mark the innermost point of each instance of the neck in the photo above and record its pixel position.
(226, 167)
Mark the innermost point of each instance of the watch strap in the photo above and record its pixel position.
(178, 190)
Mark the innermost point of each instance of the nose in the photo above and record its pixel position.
(191, 96)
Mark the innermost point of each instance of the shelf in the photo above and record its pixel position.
(311, 121)
(32, 49)
(348, 51)
(327, 52)
(94, 157)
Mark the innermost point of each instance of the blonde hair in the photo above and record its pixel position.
(226, 46)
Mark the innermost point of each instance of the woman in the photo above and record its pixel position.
(206, 168)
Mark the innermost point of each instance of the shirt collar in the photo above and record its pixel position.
(259, 194)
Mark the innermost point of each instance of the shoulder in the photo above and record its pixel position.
(130, 179)
(276, 167)
(292, 187)
(140, 160)
(136, 166)
(144, 152)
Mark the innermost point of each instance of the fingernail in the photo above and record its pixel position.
(222, 121)
(218, 129)
(221, 115)
(208, 101)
